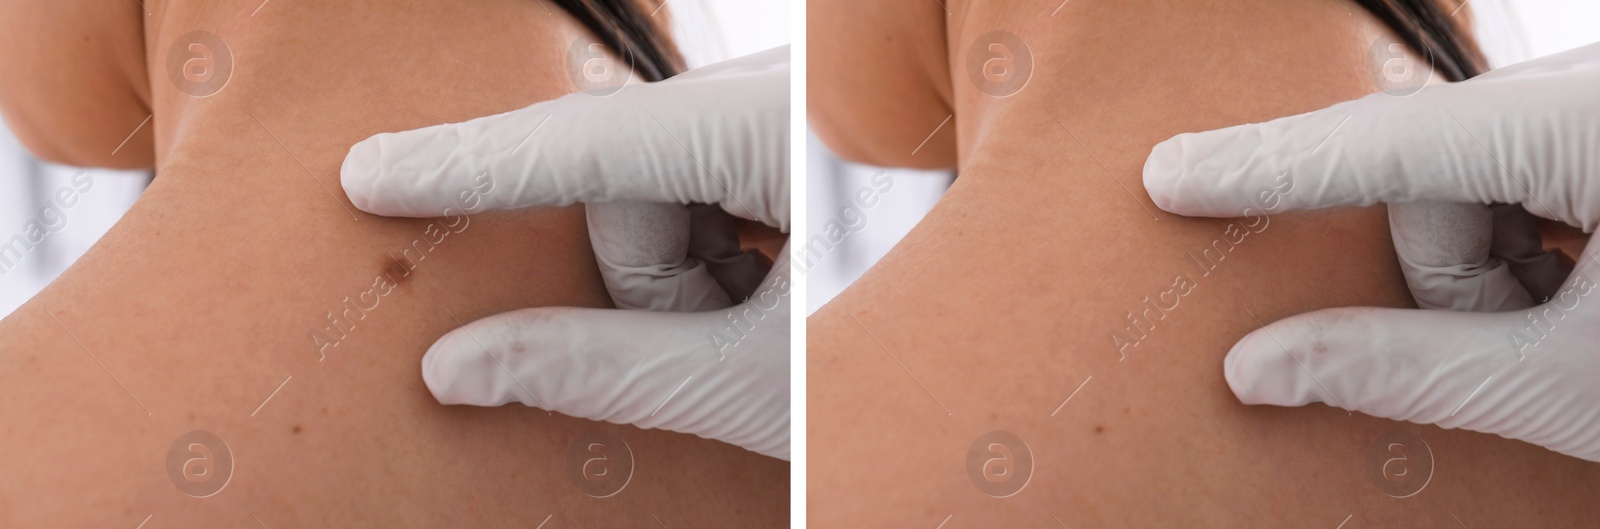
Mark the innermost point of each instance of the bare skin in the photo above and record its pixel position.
(1011, 294)
(196, 310)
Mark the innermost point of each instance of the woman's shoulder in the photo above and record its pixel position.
(878, 81)
(79, 90)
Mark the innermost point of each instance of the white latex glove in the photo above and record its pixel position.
(694, 362)
(1525, 135)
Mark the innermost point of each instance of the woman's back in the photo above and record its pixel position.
(1046, 297)
(245, 297)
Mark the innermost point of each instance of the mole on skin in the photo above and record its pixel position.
(396, 271)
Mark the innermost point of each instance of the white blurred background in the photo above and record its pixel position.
(1510, 31)
(706, 30)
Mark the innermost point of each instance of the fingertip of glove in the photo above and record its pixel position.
(1241, 369)
(360, 172)
(1260, 371)
(443, 370)
(1162, 171)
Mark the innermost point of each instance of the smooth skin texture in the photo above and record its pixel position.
(194, 311)
(996, 311)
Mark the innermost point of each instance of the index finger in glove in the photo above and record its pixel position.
(718, 135)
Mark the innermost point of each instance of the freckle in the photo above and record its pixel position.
(191, 416)
(994, 416)
(324, 410)
(1099, 429)
(296, 428)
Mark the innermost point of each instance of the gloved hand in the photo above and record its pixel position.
(1525, 135)
(693, 362)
